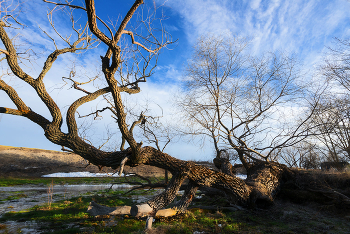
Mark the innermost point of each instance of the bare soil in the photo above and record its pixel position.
(29, 162)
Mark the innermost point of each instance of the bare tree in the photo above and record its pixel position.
(240, 102)
(302, 155)
(330, 105)
(332, 112)
(125, 65)
(337, 66)
(333, 130)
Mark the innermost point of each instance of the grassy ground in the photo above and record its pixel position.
(9, 181)
(69, 216)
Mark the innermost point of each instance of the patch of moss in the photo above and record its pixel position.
(15, 197)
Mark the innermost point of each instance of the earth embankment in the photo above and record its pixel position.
(29, 162)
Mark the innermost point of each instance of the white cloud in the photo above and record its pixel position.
(202, 17)
(274, 25)
(255, 4)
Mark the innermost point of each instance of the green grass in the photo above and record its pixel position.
(202, 221)
(123, 226)
(57, 216)
(14, 197)
(69, 216)
(8, 181)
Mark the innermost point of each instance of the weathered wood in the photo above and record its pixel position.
(95, 209)
(122, 164)
(166, 212)
(265, 179)
(186, 199)
(141, 210)
(260, 188)
(149, 223)
(224, 165)
(166, 197)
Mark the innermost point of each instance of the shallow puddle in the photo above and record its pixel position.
(27, 227)
(17, 198)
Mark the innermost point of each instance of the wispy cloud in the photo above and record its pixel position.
(295, 26)
(202, 16)
(255, 4)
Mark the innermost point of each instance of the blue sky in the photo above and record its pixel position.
(302, 27)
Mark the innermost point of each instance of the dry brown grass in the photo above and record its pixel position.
(29, 162)
(328, 190)
(3, 147)
(328, 179)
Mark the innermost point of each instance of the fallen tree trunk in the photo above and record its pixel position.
(263, 182)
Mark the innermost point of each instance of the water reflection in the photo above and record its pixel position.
(38, 195)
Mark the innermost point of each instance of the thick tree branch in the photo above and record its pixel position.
(71, 121)
(13, 95)
(123, 24)
(10, 111)
(91, 13)
(121, 115)
(4, 52)
(142, 117)
(54, 55)
(36, 84)
(187, 197)
(23, 109)
(11, 57)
